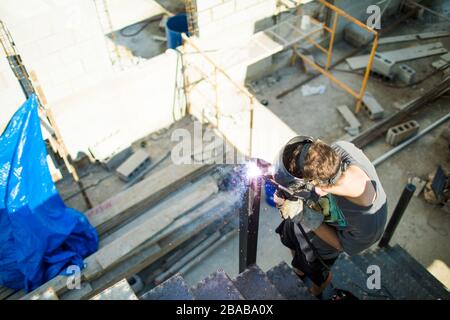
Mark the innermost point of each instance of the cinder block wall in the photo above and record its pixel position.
(227, 22)
(60, 40)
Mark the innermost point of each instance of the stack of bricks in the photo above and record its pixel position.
(372, 107)
(401, 132)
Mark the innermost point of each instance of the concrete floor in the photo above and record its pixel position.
(424, 229)
(145, 39)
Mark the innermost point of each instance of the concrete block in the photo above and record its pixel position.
(406, 74)
(354, 124)
(207, 4)
(243, 4)
(68, 72)
(357, 36)
(23, 32)
(223, 10)
(43, 26)
(438, 64)
(445, 57)
(383, 66)
(56, 42)
(48, 63)
(70, 54)
(57, 92)
(30, 52)
(372, 107)
(133, 165)
(401, 132)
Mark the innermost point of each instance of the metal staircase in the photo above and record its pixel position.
(402, 277)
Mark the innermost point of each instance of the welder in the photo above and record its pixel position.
(331, 201)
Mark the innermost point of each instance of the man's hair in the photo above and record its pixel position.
(321, 163)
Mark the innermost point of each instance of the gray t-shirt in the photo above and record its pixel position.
(365, 225)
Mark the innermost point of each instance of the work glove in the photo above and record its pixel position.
(300, 213)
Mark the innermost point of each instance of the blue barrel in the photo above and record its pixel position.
(175, 26)
(269, 189)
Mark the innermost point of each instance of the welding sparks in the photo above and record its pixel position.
(253, 170)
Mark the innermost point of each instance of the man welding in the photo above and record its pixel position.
(331, 200)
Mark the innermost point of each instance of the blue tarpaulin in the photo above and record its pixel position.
(39, 236)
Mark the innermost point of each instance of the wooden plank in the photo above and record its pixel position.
(120, 291)
(6, 292)
(75, 293)
(93, 267)
(48, 294)
(181, 231)
(58, 284)
(141, 195)
(119, 248)
(207, 182)
(400, 55)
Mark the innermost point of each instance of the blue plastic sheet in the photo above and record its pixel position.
(39, 236)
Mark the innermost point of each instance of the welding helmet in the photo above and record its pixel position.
(298, 184)
(282, 176)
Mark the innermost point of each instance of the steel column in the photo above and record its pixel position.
(397, 214)
(249, 224)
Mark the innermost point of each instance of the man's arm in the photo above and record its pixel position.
(328, 235)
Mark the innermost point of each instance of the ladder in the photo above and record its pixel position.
(29, 84)
(106, 25)
(191, 11)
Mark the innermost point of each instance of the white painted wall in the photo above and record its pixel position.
(224, 23)
(123, 108)
(60, 40)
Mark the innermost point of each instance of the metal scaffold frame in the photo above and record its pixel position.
(104, 18)
(291, 41)
(212, 79)
(329, 52)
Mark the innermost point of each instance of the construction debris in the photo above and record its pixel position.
(383, 66)
(374, 110)
(401, 132)
(308, 90)
(400, 55)
(437, 189)
(406, 74)
(354, 124)
(110, 153)
(418, 183)
(134, 165)
(442, 61)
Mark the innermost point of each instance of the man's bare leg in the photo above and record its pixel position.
(297, 271)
